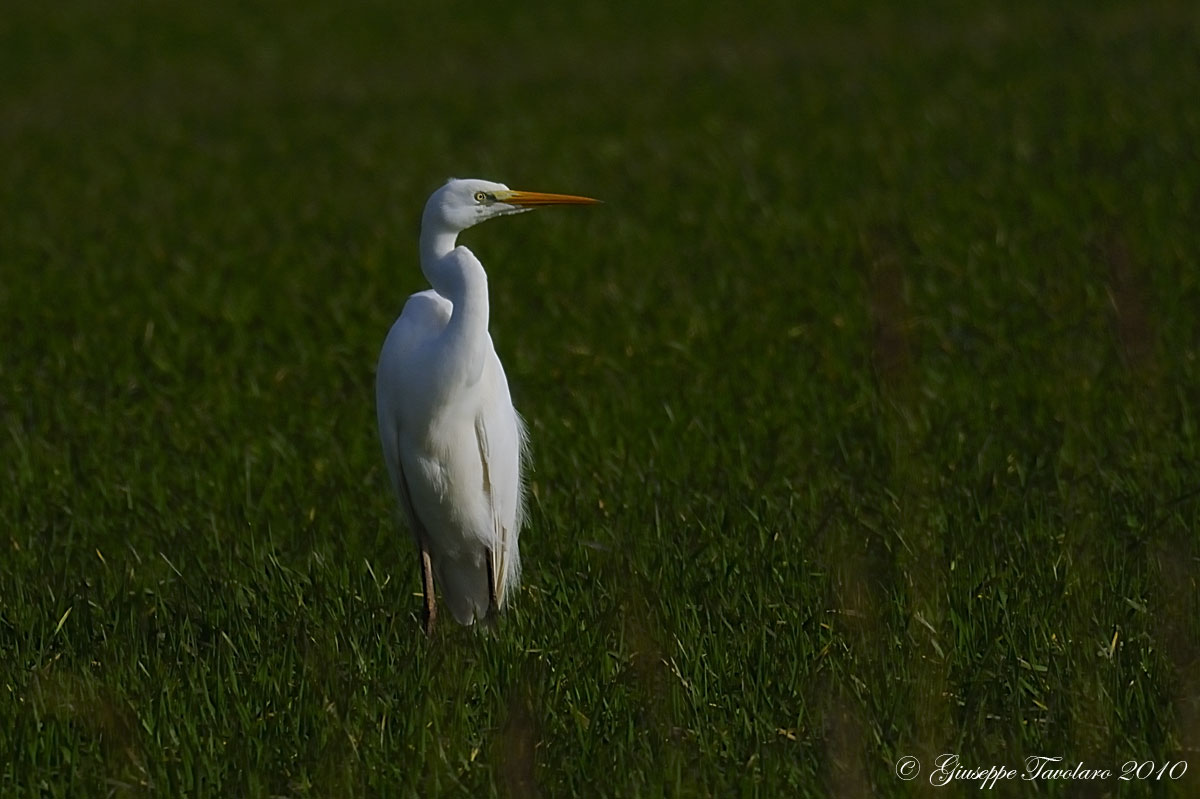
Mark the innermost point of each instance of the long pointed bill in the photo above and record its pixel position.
(531, 199)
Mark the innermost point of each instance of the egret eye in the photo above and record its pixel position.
(481, 197)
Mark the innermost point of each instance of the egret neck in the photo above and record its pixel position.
(456, 274)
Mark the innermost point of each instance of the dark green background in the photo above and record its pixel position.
(863, 412)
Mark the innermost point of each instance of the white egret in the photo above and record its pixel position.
(453, 442)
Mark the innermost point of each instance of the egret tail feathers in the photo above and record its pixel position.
(464, 585)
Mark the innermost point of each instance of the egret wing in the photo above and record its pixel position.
(500, 435)
(424, 316)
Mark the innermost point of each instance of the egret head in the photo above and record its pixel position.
(462, 203)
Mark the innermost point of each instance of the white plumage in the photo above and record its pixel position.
(453, 442)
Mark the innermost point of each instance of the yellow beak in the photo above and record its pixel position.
(534, 198)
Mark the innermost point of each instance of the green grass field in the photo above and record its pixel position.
(863, 413)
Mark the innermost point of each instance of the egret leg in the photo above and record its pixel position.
(493, 606)
(427, 588)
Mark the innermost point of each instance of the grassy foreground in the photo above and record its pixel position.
(864, 414)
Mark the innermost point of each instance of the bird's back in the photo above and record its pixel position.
(424, 317)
